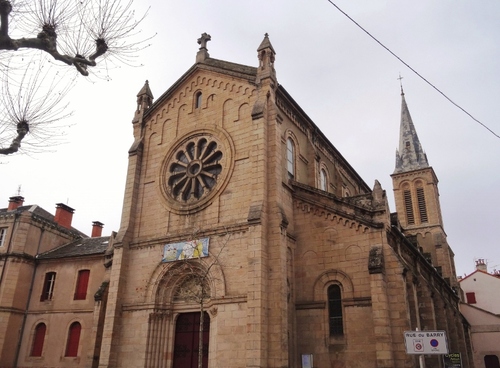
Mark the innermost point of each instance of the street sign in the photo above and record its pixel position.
(452, 360)
(426, 342)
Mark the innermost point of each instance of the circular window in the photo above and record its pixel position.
(195, 169)
(193, 173)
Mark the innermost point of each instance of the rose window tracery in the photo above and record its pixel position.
(195, 169)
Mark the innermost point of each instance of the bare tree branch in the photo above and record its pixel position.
(33, 103)
(75, 33)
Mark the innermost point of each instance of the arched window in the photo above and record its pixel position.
(491, 361)
(335, 319)
(38, 338)
(323, 182)
(73, 339)
(197, 100)
(290, 158)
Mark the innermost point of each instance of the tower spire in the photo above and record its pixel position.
(410, 155)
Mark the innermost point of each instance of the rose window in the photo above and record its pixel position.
(194, 169)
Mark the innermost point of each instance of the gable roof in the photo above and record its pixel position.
(479, 272)
(245, 72)
(38, 213)
(78, 248)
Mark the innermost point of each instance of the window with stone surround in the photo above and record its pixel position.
(408, 207)
(197, 100)
(3, 235)
(194, 169)
(81, 285)
(422, 208)
(323, 181)
(48, 286)
(290, 158)
(73, 340)
(335, 315)
(38, 339)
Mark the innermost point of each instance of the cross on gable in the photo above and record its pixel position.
(202, 41)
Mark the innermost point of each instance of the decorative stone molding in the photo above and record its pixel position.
(376, 260)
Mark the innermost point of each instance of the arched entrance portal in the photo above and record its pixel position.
(186, 343)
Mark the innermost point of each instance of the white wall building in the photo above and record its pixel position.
(482, 310)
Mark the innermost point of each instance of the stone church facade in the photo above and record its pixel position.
(305, 258)
(237, 205)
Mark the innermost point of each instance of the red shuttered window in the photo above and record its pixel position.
(38, 338)
(82, 284)
(73, 340)
(471, 298)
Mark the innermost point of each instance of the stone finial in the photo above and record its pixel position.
(378, 193)
(144, 98)
(203, 51)
(202, 41)
(266, 55)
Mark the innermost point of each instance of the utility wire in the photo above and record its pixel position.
(413, 70)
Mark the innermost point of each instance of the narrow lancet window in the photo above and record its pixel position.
(409, 207)
(421, 205)
(197, 101)
(290, 158)
(322, 180)
(335, 319)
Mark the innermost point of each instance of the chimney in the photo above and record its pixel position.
(15, 202)
(64, 215)
(481, 265)
(97, 229)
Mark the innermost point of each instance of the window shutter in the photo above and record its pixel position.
(409, 207)
(73, 340)
(471, 298)
(82, 285)
(38, 339)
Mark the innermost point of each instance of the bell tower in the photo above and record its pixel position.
(416, 196)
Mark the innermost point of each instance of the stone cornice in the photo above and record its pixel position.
(219, 230)
(308, 204)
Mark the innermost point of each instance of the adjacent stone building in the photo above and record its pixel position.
(52, 295)
(237, 205)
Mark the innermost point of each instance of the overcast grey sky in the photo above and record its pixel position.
(343, 80)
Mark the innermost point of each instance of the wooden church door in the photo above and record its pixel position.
(187, 330)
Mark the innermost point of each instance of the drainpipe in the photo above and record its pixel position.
(25, 316)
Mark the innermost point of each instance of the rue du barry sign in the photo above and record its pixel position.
(426, 342)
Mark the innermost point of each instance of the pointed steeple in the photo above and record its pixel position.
(410, 155)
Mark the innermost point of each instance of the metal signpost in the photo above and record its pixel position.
(425, 342)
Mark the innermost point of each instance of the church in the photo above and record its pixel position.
(248, 240)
